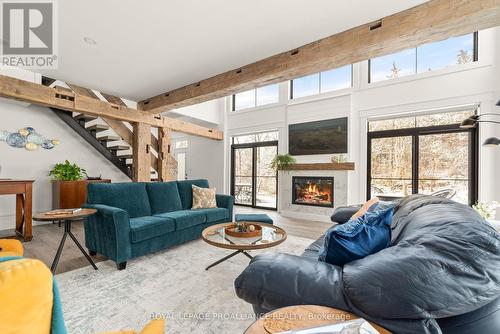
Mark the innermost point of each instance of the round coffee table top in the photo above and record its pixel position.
(301, 317)
(271, 236)
(44, 216)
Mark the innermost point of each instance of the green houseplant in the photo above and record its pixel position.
(67, 172)
(486, 209)
(282, 162)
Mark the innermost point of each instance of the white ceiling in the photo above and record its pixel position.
(145, 48)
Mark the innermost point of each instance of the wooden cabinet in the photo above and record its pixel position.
(71, 194)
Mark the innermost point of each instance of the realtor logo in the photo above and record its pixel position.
(28, 34)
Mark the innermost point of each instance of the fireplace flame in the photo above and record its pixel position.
(313, 193)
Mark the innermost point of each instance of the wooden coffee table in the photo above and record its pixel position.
(301, 317)
(216, 236)
(67, 219)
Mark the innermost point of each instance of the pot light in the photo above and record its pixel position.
(89, 40)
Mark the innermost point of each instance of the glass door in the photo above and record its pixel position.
(254, 182)
(390, 167)
(424, 154)
(243, 176)
(444, 165)
(265, 177)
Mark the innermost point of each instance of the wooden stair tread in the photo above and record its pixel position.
(98, 127)
(119, 147)
(108, 138)
(85, 118)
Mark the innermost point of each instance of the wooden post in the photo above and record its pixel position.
(141, 155)
(166, 172)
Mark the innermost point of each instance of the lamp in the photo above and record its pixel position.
(471, 122)
(491, 142)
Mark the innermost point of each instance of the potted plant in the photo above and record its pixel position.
(67, 172)
(282, 162)
(69, 189)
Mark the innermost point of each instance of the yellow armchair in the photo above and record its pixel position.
(10, 247)
(28, 292)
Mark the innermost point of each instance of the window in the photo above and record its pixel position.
(256, 137)
(424, 58)
(256, 97)
(327, 81)
(181, 144)
(424, 154)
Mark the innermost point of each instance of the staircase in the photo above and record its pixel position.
(109, 137)
(103, 144)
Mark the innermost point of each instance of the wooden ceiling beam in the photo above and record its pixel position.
(57, 97)
(432, 21)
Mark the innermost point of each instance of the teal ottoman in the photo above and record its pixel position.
(261, 218)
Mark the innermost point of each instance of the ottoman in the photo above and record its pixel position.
(260, 218)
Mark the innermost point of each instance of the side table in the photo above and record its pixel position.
(301, 317)
(67, 219)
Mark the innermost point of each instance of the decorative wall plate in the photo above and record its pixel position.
(27, 138)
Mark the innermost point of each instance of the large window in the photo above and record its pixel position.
(256, 97)
(427, 57)
(322, 82)
(427, 154)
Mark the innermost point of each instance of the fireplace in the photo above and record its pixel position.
(314, 191)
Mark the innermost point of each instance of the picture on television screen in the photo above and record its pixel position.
(320, 137)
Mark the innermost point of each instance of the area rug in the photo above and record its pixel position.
(172, 284)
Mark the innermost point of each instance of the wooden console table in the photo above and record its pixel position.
(24, 198)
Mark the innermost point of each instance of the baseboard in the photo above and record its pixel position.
(8, 222)
(306, 216)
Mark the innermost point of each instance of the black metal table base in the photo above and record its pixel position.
(67, 231)
(230, 256)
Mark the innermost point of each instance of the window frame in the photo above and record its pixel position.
(233, 99)
(290, 93)
(253, 146)
(414, 133)
(475, 58)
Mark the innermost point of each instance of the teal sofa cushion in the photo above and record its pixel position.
(143, 228)
(163, 197)
(186, 191)
(131, 197)
(185, 218)
(254, 217)
(214, 214)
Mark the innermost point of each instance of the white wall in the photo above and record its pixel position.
(20, 163)
(476, 83)
(205, 160)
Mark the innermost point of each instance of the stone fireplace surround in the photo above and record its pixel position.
(315, 213)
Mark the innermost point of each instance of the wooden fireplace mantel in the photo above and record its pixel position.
(323, 166)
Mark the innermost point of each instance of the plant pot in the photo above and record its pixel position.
(71, 194)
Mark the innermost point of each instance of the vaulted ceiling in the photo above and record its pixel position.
(144, 48)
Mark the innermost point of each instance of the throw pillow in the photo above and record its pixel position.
(357, 238)
(203, 198)
(368, 206)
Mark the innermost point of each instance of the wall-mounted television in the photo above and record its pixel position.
(320, 137)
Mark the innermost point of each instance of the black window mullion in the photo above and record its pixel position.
(415, 162)
(369, 169)
(254, 178)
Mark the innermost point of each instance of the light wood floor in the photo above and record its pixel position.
(46, 239)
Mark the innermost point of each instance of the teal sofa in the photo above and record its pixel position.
(138, 218)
